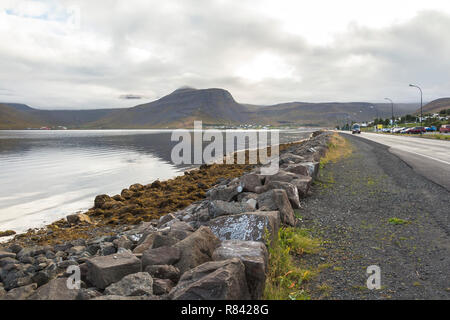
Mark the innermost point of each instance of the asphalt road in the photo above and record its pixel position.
(428, 157)
(373, 209)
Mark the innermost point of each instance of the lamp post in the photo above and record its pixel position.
(421, 101)
(376, 109)
(392, 105)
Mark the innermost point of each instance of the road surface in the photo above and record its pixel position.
(428, 157)
(371, 208)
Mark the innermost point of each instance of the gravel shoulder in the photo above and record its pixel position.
(373, 209)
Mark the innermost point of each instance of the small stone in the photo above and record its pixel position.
(137, 284)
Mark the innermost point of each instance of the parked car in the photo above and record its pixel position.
(445, 128)
(356, 129)
(431, 129)
(417, 130)
(398, 129)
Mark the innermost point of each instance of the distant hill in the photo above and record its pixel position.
(12, 118)
(435, 106)
(179, 109)
(213, 106)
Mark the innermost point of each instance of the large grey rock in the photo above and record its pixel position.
(291, 191)
(219, 208)
(281, 176)
(277, 199)
(289, 158)
(32, 251)
(196, 249)
(180, 230)
(146, 243)
(255, 257)
(162, 286)
(21, 293)
(136, 284)
(225, 193)
(304, 168)
(164, 272)
(56, 289)
(249, 226)
(104, 270)
(215, 280)
(303, 183)
(250, 181)
(160, 256)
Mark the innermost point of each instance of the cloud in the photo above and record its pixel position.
(85, 54)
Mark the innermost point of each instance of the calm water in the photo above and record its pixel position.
(46, 175)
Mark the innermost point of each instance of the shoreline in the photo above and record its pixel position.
(165, 228)
(45, 234)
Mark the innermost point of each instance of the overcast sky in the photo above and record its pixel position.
(106, 54)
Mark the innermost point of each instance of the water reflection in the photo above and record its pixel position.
(46, 175)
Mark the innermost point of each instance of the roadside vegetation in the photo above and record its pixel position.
(338, 148)
(285, 279)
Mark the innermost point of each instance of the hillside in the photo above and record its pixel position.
(435, 106)
(11, 118)
(179, 109)
(213, 106)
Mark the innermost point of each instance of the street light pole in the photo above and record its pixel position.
(392, 104)
(421, 102)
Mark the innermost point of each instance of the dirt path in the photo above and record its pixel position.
(373, 209)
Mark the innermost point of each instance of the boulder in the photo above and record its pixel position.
(136, 284)
(160, 256)
(145, 243)
(162, 286)
(219, 208)
(123, 242)
(78, 218)
(250, 181)
(303, 183)
(289, 158)
(215, 280)
(249, 226)
(225, 193)
(7, 254)
(104, 270)
(100, 200)
(305, 169)
(196, 249)
(55, 289)
(255, 257)
(164, 272)
(32, 251)
(161, 240)
(180, 230)
(277, 199)
(281, 176)
(21, 293)
(291, 191)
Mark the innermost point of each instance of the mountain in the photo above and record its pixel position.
(435, 106)
(12, 118)
(180, 109)
(213, 106)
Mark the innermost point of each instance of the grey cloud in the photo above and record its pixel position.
(201, 43)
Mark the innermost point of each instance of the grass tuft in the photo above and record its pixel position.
(285, 279)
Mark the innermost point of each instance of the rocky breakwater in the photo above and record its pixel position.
(213, 249)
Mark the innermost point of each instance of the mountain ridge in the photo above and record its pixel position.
(214, 106)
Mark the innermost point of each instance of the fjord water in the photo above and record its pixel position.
(46, 175)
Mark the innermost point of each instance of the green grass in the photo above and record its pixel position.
(397, 221)
(285, 279)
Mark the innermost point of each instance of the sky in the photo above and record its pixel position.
(61, 54)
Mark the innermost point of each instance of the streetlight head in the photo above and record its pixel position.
(411, 85)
